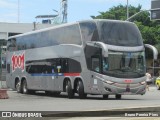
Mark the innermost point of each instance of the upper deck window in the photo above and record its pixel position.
(119, 33)
(62, 35)
(89, 31)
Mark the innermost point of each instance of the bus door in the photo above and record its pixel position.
(94, 53)
(96, 69)
(93, 56)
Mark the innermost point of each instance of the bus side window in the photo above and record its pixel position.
(95, 63)
(64, 66)
(12, 44)
(58, 66)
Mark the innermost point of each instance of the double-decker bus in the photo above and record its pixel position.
(98, 57)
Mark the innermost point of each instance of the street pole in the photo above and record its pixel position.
(127, 10)
(129, 19)
(18, 11)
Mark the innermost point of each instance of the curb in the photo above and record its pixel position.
(125, 112)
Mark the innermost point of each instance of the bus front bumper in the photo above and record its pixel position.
(123, 89)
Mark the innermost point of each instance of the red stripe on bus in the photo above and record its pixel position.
(71, 74)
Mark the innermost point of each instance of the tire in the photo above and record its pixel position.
(118, 96)
(18, 87)
(80, 90)
(24, 87)
(158, 87)
(69, 90)
(105, 96)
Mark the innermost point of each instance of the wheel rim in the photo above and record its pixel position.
(18, 86)
(25, 88)
(78, 86)
(67, 87)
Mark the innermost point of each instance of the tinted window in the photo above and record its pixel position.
(57, 65)
(74, 66)
(89, 31)
(68, 35)
(12, 44)
(95, 61)
(63, 35)
(119, 33)
(92, 55)
(12, 34)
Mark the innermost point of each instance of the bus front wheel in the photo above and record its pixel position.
(80, 90)
(69, 89)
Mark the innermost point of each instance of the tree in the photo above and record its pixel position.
(118, 12)
(150, 30)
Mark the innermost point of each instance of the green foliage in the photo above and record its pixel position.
(150, 30)
(117, 13)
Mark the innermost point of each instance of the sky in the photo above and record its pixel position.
(77, 9)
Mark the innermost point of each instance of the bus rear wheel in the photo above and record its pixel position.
(24, 87)
(18, 86)
(118, 96)
(80, 90)
(69, 89)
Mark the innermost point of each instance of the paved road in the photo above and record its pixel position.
(41, 102)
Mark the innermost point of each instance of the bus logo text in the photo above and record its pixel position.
(128, 81)
(17, 62)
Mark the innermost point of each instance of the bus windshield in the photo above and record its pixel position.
(124, 64)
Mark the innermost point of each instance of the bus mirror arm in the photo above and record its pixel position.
(104, 48)
(155, 51)
(101, 45)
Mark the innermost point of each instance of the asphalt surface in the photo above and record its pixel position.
(41, 102)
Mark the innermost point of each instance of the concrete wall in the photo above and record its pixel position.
(21, 27)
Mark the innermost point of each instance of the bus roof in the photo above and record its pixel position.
(68, 24)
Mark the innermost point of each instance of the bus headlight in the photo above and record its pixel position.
(142, 83)
(109, 82)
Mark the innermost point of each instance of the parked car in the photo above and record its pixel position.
(158, 83)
